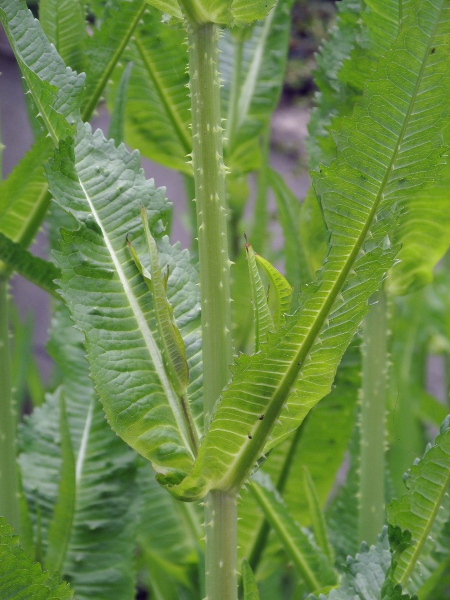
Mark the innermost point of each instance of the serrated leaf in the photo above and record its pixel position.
(40, 272)
(99, 556)
(20, 577)
(55, 88)
(422, 512)
(313, 566)
(102, 286)
(358, 198)
(262, 317)
(249, 582)
(364, 575)
(280, 293)
(63, 22)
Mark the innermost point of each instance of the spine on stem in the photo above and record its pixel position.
(373, 421)
(9, 503)
(209, 177)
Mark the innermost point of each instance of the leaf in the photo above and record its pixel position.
(40, 272)
(20, 577)
(252, 66)
(313, 234)
(223, 12)
(167, 6)
(358, 198)
(245, 11)
(116, 124)
(262, 317)
(281, 294)
(104, 290)
(60, 527)
(288, 208)
(55, 88)
(63, 22)
(363, 575)
(105, 49)
(99, 556)
(250, 587)
(422, 512)
(311, 563)
(317, 518)
(157, 117)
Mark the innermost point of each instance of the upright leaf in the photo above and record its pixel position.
(358, 198)
(104, 188)
(117, 122)
(250, 587)
(98, 554)
(63, 22)
(261, 313)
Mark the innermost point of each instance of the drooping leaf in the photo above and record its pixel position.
(117, 122)
(98, 558)
(104, 289)
(55, 88)
(358, 198)
(248, 579)
(261, 313)
(20, 577)
(40, 272)
(63, 22)
(422, 512)
(313, 566)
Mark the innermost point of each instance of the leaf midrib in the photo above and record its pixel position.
(293, 371)
(147, 335)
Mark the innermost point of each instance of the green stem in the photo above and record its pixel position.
(373, 420)
(209, 176)
(9, 507)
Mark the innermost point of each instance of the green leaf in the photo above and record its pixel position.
(60, 527)
(364, 575)
(100, 550)
(280, 291)
(117, 122)
(262, 317)
(105, 48)
(104, 290)
(246, 11)
(249, 582)
(252, 66)
(157, 117)
(55, 88)
(170, 7)
(63, 22)
(288, 207)
(317, 518)
(313, 234)
(311, 563)
(422, 512)
(40, 272)
(20, 577)
(358, 200)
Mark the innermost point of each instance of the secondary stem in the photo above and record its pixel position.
(8, 466)
(373, 420)
(209, 176)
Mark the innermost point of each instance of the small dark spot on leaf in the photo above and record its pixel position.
(250, 437)
(261, 417)
(433, 50)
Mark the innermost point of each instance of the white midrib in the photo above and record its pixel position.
(150, 343)
(84, 441)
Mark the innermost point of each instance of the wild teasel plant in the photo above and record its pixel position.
(157, 324)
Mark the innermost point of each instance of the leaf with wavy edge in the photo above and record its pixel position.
(394, 135)
(20, 577)
(55, 88)
(102, 525)
(423, 511)
(104, 188)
